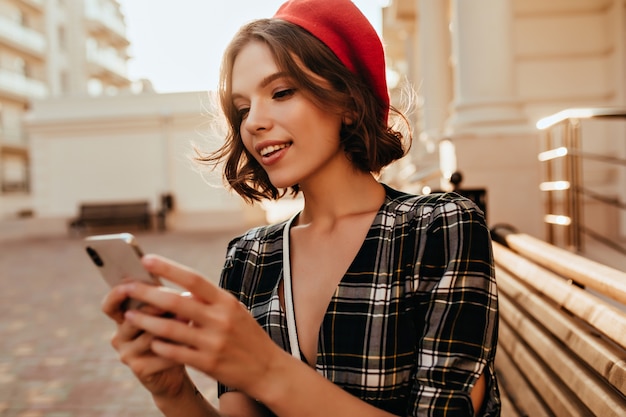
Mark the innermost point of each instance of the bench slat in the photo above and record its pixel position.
(108, 210)
(113, 214)
(561, 401)
(594, 392)
(607, 319)
(518, 398)
(604, 279)
(508, 410)
(605, 358)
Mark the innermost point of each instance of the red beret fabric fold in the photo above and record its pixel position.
(341, 26)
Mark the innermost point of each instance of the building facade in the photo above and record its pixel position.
(485, 71)
(51, 48)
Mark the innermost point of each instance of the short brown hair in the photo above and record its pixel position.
(367, 141)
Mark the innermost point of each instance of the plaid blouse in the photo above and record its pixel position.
(412, 324)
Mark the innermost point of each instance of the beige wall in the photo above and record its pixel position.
(126, 147)
(44, 52)
(569, 54)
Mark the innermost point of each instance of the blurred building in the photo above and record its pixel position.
(51, 48)
(75, 129)
(486, 71)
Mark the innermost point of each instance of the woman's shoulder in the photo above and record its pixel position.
(251, 258)
(404, 204)
(257, 239)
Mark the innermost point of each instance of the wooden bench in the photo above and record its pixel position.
(562, 341)
(113, 215)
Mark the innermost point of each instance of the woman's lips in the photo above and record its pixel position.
(273, 153)
(266, 151)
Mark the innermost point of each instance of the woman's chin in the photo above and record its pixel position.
(282, 183)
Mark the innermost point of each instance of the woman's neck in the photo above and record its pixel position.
(327, 202)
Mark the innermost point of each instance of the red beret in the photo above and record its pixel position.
(341, 26)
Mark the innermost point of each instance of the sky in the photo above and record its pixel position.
(178, 44)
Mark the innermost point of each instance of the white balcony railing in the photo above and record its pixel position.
(34, 3)
(107, 59)
(585, 178)
(105, 13)
(22, 86)
(12, 136)
(22, 37)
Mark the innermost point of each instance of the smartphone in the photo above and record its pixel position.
(118, 258)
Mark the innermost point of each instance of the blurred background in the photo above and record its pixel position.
(102, 102)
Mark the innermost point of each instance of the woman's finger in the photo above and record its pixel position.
(183, 276)
(184, 354)
(230, 360)
(127, 332)
(129, 349)
(112, 304)
(167, 329)
(178, 305)
(140, 358)
(146, 366)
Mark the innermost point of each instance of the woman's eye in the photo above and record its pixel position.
(284, 93)
(243, 112)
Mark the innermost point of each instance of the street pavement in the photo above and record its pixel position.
(55, 354)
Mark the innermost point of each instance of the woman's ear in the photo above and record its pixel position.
(348, 119)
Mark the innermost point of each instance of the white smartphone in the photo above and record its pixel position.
(117, 257)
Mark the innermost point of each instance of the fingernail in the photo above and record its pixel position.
(125, 288)
(148, 260)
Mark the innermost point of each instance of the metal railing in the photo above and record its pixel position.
(584, 172)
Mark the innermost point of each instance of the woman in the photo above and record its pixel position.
(367, 302)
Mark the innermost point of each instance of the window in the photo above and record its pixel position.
(14, 172)
(20, 66)
(62, 40)
(64, 82)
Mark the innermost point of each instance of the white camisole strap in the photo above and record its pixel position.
(288, 293)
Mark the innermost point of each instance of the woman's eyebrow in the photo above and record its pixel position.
(267, 80)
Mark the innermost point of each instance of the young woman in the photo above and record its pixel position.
(368, 302)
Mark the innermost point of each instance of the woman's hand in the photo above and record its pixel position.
(161, 376)
(219, 336)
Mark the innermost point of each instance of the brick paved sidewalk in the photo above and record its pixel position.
(55, 355)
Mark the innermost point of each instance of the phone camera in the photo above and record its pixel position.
(94, 256)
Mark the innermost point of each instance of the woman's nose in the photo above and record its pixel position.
(258, 119)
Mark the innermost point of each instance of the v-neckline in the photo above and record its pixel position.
(292, 331)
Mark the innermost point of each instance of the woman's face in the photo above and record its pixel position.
(294, 140)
